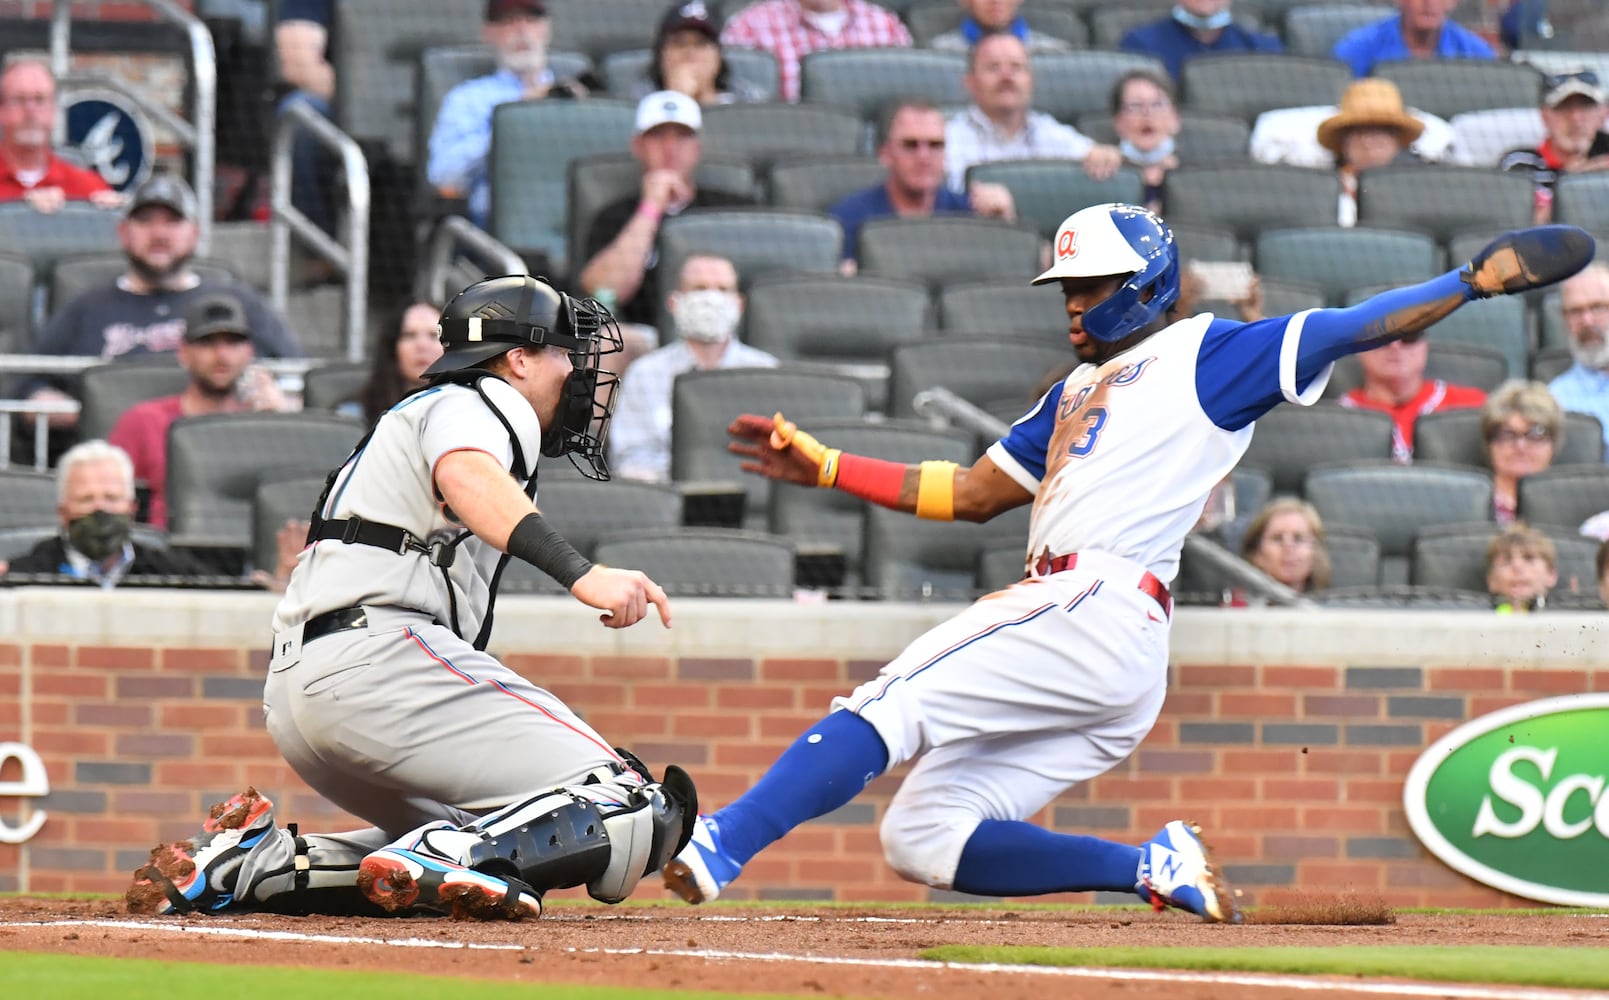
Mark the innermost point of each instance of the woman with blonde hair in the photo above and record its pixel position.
(1523, 428)
(1286, 541)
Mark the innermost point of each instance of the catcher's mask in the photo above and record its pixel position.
(495, 315)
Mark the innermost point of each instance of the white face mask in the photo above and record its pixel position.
(708, 315)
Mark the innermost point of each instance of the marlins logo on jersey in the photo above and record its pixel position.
(110, 135)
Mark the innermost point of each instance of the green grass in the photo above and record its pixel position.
(76, 977)
(1579, 968)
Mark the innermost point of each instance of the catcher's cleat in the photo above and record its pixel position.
(199, 874)
(1531, 258)
(395, 878)
(1177, 870)
(702, 869)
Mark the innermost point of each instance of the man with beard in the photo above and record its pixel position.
(518, 32)
(30, 170)
(217, 352)
(95, 490)
(1584, 386)
(143, 310)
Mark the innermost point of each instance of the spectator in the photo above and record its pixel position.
(911, 145)
(622, 260)
(687, 57)
(1193, 28)
(987, 17)
(1371, 129)
(1522, 565)
(518, 32)
(301, 41)
(1574, 109)
(143, 310)
(30, 170)
(707, 311)
(217, 352)
(95, 502)
(1286, 540)
(1523, 427)
(1525, 21)
(792, 29)
(1394, 382)
(1147, 124)
(408, 345)
(1420, 30)
(1584, 386)
(1001, 124)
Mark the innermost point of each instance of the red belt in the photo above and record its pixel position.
(1149, 584)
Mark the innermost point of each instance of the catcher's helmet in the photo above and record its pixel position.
(1110, 239)
(496, 315)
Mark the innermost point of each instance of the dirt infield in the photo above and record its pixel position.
(794, 949)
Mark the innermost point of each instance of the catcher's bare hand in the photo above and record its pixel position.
(622, 594)
(769, 451)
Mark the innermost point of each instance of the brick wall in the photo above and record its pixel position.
(145, 708)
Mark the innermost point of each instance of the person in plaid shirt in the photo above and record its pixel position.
(792, 29)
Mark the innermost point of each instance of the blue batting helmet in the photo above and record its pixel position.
(1110, 239)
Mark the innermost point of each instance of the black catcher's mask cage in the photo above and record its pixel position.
(582, 427)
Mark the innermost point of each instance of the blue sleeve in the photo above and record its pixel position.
(317, 11)
(460, 138)
(850, 213)
(1355, 49)
(1028, 440)
(1239, 366)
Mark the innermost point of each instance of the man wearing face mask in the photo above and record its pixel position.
(707, 309)
(1195, 27)
(95, 490)
(518, 32)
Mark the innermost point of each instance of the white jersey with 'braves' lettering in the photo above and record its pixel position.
(1121, 457)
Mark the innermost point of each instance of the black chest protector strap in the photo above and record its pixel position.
(357, 531)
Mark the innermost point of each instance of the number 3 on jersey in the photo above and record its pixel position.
(1094, 419)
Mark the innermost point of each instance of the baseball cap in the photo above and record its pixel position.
(217, 312)
(668, 107)
(169, 190)
(498, 10)
(690, 16)
(1582, 83)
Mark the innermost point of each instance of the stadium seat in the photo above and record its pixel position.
(533, 143)
(939, 249)
(585, 510)
(1206, 242)
(1564, 496)
(27, 499)
(1290, 440)
(1483, 138)
(981, 370)
(830, 318)
(1550, 362)
(1498, 324)
(1248, 198)
(1313, 29)
(1401, 597)
(763, 133)
(1004, 306)
(817, 183)
(913, 560)
(1455, 436)
(706, 562)
(596, 182)
(1448, 87)
(757, 240)
(16, 304)
(1354, 558)
(1336, 259)
(277, 500)
(328, 386)
(929, 19)
(599, 27)
(868, 80)
(1247, 84)
(42, 239)
(1443, 200)
(108, 390)
(1583, 200)
(1209, 138)
(72, 276)
(1552, 330)
(1047, 191)
(216, 462)
(1282, 298)
(1070, 84)
(625, 70)
(1393, 502)
(816, 519)
(704, 404)
(1453, 556)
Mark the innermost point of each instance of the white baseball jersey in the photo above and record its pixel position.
(392, 481)
(1121, 457)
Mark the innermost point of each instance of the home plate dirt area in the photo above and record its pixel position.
(787, 948)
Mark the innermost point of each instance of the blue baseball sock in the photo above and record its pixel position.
(825, 767)
(1012, 858)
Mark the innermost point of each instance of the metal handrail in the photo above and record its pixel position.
(452, 234)
(350, 255)
(40, 409)
(942, 406)
(199, 134)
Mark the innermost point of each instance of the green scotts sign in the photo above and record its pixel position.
(1519, 799)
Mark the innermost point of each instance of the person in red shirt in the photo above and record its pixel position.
(1575, 107)
(30, 170)
(1394, 382)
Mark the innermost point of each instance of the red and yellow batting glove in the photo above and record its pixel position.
(786, 434)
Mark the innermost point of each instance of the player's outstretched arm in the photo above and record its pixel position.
(775, 447)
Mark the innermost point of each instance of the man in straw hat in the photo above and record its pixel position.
(1371, 129)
